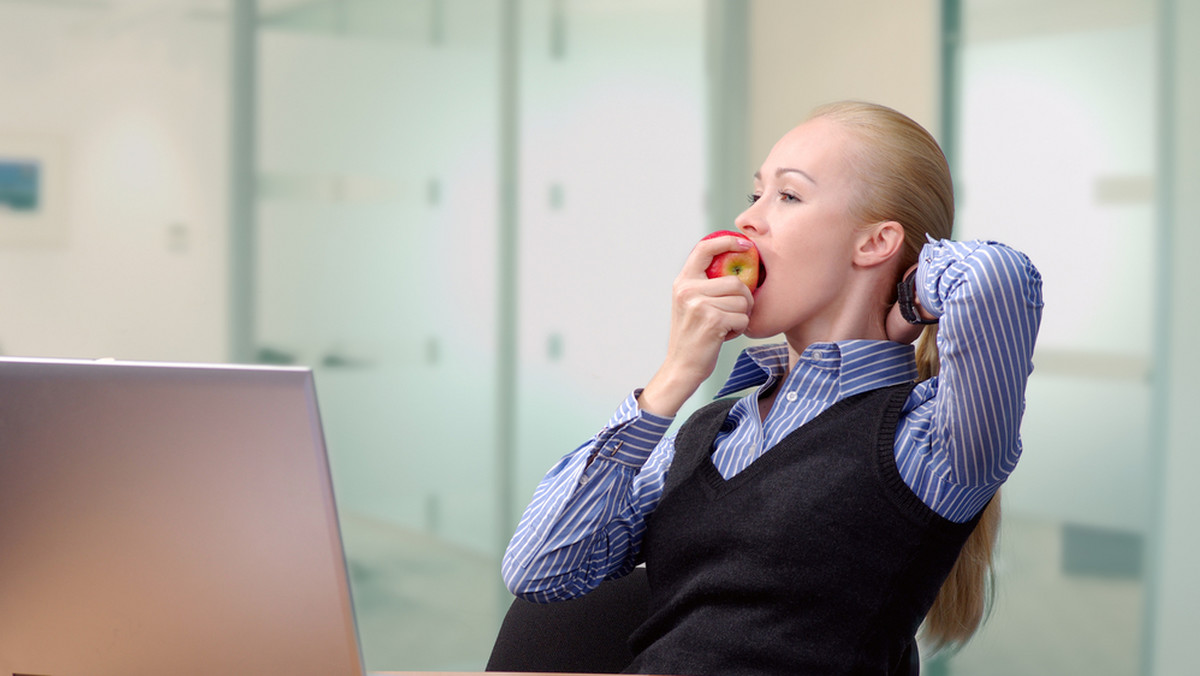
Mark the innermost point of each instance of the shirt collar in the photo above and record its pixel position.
(861, 365)
(755, 366)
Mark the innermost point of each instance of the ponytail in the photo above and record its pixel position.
(966, 596)
(927, 353)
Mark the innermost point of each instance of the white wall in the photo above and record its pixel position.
(802, 55)
(138, 108)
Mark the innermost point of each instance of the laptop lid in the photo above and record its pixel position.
(168, 519)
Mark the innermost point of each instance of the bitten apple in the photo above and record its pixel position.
(744, 265)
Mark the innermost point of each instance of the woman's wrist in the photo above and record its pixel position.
(665, 394)
(909, 303)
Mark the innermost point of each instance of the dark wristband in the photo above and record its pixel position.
(906, 293)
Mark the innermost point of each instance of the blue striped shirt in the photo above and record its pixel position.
(957, 440)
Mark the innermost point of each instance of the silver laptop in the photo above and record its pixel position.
(168, 519)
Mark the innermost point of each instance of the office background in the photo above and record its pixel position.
(465, 215)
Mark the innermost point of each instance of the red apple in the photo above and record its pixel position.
(741, 264)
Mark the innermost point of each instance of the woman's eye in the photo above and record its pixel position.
(783, 195)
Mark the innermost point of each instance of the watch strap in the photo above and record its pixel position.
(906, 294)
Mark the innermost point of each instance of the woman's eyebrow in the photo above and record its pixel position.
(787, 170)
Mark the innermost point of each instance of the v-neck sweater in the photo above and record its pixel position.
(815, 559)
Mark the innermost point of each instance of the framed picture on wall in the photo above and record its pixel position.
(31, 191)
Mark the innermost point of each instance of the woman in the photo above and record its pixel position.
(807, 526)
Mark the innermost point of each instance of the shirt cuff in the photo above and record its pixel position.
(938, 271)
(631, 434)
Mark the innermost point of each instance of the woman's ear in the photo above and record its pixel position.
(879, 244)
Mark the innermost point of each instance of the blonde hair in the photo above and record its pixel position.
(906, 178)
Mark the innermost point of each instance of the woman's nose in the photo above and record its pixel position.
(749, 221)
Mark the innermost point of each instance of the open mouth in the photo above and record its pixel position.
(762, 274)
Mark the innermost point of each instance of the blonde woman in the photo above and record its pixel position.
(849, 494)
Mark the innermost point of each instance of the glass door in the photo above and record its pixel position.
(381, 132)
(377, 138)
(1055, 120)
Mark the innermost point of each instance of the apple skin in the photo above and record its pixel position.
(741, 264)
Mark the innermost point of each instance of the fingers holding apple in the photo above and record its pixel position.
(710, 309)
(727, 253)
(743, 263)
(706, 311)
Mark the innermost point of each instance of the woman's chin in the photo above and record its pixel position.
(757, 332)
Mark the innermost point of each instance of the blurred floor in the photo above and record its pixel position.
(421, 603)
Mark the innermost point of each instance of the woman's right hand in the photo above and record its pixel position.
(704, 314)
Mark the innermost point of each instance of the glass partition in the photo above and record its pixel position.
(1055, 153)
(381, 128)
(377, 182)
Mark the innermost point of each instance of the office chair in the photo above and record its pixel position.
(590, 634)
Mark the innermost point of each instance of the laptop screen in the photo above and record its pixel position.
(167, 519)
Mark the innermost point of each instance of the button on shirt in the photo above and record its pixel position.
(956, 442)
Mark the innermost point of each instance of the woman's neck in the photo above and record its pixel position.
(859, 313)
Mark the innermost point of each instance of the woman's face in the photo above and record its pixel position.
(799, 219)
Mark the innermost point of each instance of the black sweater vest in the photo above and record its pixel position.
(815, 559)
